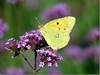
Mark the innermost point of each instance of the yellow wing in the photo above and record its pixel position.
(56, 32)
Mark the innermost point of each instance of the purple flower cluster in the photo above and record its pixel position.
(15, 71)
(31, 40)
(57, 11)
(86, 49)
(92, 51)
(48, 57)
(93, 34)
(11, 44)
(54, 71)
(2, 46)
(74, 52)
(34, 40)
(32, 4)
(14, 1)
(3, 28)
(77, 53)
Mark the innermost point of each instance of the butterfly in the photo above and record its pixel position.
(57, 32)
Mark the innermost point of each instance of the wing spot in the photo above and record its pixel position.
(57, 35)
(64, 28)
(59, 28)
(57, 23)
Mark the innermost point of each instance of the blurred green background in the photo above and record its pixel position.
(20, 17)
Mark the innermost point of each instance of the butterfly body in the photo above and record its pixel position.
(56, 32)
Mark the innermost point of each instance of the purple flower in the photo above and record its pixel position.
(3, 28)
(11, 44)
(57, 11)
(41, 64)
(2, 46)
(93, 34)
(54, 71)
(73, 52)
(97, 54)
(48, 57)
(91, 51)
(14, 1)
(15, 71)
(32, 3)
(31, 40)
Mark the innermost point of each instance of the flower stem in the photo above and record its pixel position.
(35, 62)
(38, 69)
(27, 61)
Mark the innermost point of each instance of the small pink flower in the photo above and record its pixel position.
(41, 64)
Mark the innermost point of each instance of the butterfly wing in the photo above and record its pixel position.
(56, 39)
(56, 32)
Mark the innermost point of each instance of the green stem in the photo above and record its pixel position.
(27, 61)
(35, 62)
(38, 69)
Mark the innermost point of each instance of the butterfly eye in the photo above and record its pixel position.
(57, 23)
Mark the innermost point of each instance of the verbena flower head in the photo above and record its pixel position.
(54, 71)
(31, 40)
(93, 34)
(48, 57)
(57, 11)
(32, 4)
(11, 44)
(91, 52)
(74, 52)
(3, 28)
(14, 1)
(15, 71)
(2, 46)
(34, 40)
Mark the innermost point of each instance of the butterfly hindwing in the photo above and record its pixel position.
(56, 41)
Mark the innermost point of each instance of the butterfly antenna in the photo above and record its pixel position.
(37, 20)
(40, 25)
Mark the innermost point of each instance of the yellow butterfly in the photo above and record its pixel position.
(56, 32)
